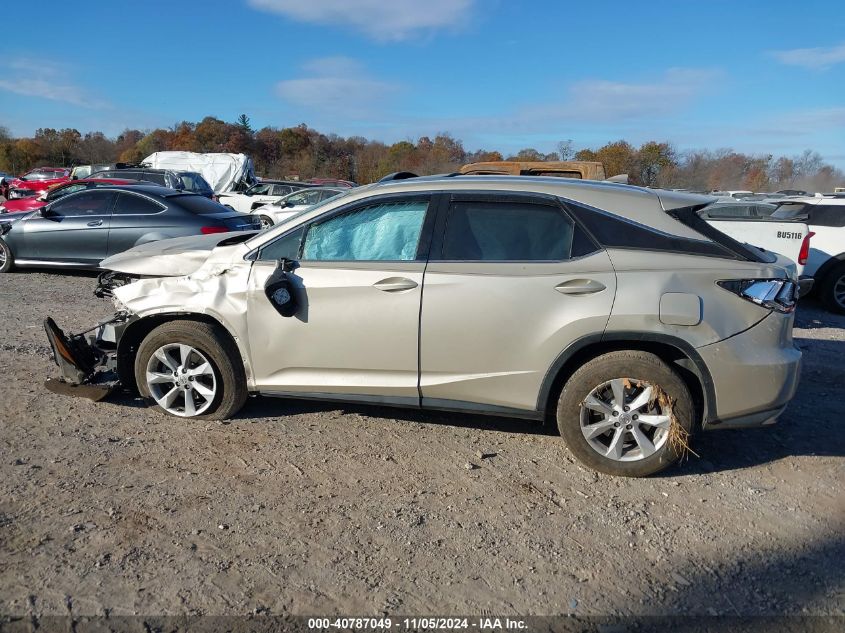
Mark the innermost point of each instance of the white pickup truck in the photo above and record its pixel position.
(753, 223)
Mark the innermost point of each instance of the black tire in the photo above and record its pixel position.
(8, 260)
(623, 364)
(827, 290)
(266, 221)
(221, 352)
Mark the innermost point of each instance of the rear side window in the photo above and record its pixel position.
(130, 204)
(159, 179)
(826, 214)
(194, 182)
(199, 204)
(507, 231)
(86, 203)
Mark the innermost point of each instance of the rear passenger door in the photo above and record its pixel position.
(510, 283)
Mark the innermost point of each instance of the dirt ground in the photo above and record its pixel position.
(309, 508)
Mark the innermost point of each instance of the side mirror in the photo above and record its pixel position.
(46, 212)
(280, 290)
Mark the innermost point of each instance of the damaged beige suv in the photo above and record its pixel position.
(614, 310)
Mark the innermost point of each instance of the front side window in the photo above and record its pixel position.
(282, 190)
(86, 203)
(506, 231)
(389, 231)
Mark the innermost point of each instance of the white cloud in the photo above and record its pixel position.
(812, 58)
(383, 20)
(602, 101)
(337, 86)
(44, 80)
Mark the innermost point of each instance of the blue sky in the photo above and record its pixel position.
(758, 76)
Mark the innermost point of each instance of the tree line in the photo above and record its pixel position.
(303, 152)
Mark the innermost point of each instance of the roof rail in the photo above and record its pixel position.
(398, 175)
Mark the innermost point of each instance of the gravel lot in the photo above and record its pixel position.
(308, 508)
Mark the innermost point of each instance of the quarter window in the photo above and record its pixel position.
(382, 232)
(130, 204)
(506, 231)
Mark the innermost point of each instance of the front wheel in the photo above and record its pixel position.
(626, 413)
(7, 260)
(266, 221)
(832, 289)
(191, 369)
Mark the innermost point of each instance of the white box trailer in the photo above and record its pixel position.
(224, 172)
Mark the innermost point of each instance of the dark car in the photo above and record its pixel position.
(83, 228)
(181, 180)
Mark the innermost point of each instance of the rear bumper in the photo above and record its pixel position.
(755, 374)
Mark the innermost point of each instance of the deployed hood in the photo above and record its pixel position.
(174, 257)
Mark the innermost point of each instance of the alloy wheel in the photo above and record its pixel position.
(181, 380)
(838, 291)
(622, 420)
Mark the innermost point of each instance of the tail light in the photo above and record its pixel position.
(773, 294)
(208, 230)
(804, 253)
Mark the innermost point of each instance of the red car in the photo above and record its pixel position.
(35, 181)
(37, 201)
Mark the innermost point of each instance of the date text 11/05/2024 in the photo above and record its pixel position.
(416, 624)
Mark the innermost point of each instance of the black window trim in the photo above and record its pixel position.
(520, 197)
(423, 246)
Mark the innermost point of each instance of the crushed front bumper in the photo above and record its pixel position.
(88, 360)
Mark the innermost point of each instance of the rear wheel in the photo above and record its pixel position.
(626, 413)
(266, 221)
(7, 260)
(832, 289)
(191, 370)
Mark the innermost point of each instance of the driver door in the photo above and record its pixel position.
(74, 229)
(359, 285)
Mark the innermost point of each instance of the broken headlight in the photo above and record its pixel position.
(774, 294)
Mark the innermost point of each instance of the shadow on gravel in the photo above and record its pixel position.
(763, 582)
(812, 315)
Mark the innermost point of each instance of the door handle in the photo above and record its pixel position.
(395, 284)
(580, 287)
(95, 223)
